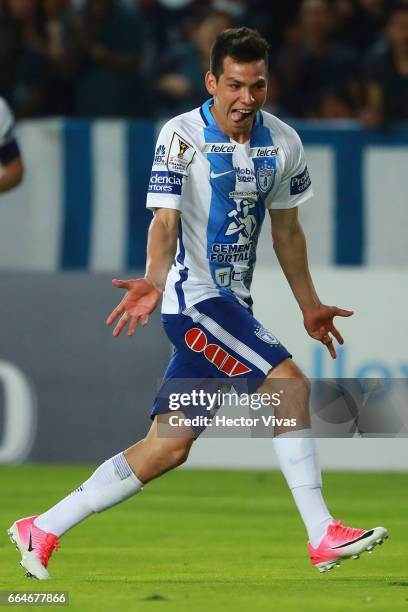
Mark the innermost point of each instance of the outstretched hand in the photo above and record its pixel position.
(139, 301)
(319, 325)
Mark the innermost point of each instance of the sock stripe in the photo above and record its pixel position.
(121, 466)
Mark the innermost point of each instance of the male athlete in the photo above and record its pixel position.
(216, 170)
(11, 165)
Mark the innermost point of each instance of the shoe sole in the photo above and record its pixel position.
(376, 539)
(29, 562)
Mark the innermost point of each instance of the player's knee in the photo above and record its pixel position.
(291, 379)
(294, 389)
(179, 456)
(297, 394)
(169, 457)
(304, 387)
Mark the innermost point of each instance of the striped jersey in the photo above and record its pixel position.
(8, 145)
(222, 190)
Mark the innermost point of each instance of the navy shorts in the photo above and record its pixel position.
(216, 341)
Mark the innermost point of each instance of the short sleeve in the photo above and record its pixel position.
(295, 186)
(173, 157)
(6, 123)
(9, 149)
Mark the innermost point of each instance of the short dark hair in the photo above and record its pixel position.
(241, 44)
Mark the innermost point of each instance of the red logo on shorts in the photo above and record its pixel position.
(197, 341)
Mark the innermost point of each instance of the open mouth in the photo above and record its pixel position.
(239, 115)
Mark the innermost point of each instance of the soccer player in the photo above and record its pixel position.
(216, 171)
(11, 165)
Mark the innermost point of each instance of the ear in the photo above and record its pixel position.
(211, 83)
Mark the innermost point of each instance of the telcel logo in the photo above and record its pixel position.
(264, 151)
(219, 147)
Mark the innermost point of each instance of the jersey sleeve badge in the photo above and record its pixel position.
(180, 156)
(300, 182)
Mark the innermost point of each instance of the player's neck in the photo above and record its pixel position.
(239, 136)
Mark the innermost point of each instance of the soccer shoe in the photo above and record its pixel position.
(35, 546)
(342, 542)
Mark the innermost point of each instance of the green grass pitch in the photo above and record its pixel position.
(227, 541)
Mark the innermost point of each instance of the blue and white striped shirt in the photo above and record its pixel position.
(222, 189)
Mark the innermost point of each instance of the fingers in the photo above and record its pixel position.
(115, 314)
(341, 312)
(133, 324)
(337, 335)
(125, 318)
(120, 308)
(328, 342)
(331, 350)
(122, 322)
(121, 284)
(134, 321)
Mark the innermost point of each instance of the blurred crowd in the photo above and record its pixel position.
(329, 59)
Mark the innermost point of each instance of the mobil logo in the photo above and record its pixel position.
(197, 341)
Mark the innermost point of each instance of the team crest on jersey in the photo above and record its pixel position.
(181, 154)
(265, 176)
(266, 335)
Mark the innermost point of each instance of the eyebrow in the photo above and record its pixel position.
(234, 80)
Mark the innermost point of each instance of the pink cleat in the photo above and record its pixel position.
(342, 542)
(35, 546)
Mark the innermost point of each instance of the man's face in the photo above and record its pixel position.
(238, 94)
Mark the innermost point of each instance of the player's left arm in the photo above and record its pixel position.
(289, 244)
(11, 174)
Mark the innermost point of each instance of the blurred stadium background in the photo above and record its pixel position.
(90, 83)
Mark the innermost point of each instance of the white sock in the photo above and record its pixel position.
(297, 455)
(111, 483)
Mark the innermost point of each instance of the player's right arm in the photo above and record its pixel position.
(171, 163)
(143, 294)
